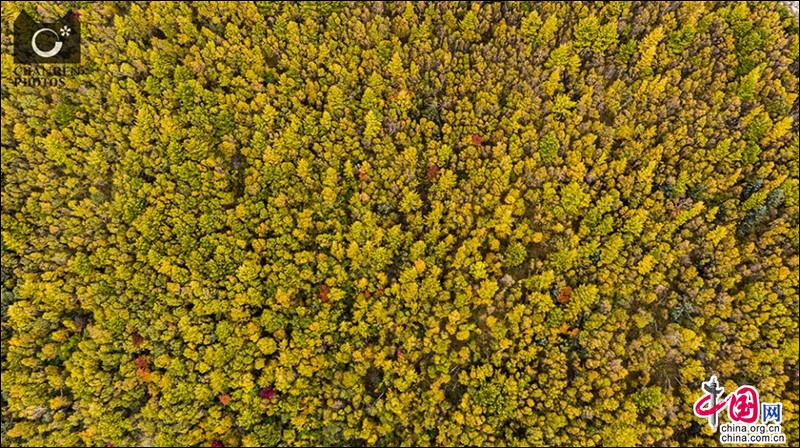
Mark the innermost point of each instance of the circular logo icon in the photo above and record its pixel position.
(50, 53)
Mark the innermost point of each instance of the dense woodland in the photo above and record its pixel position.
(420, 223)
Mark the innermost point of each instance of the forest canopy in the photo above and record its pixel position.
(401, 223)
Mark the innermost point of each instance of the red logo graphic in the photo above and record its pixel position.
(742, 404)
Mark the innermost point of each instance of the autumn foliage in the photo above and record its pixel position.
(397, 223)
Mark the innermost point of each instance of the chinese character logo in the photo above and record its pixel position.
(710, 405)
(772, 412)
(742, 404)
(47, 43)
(744, 410)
